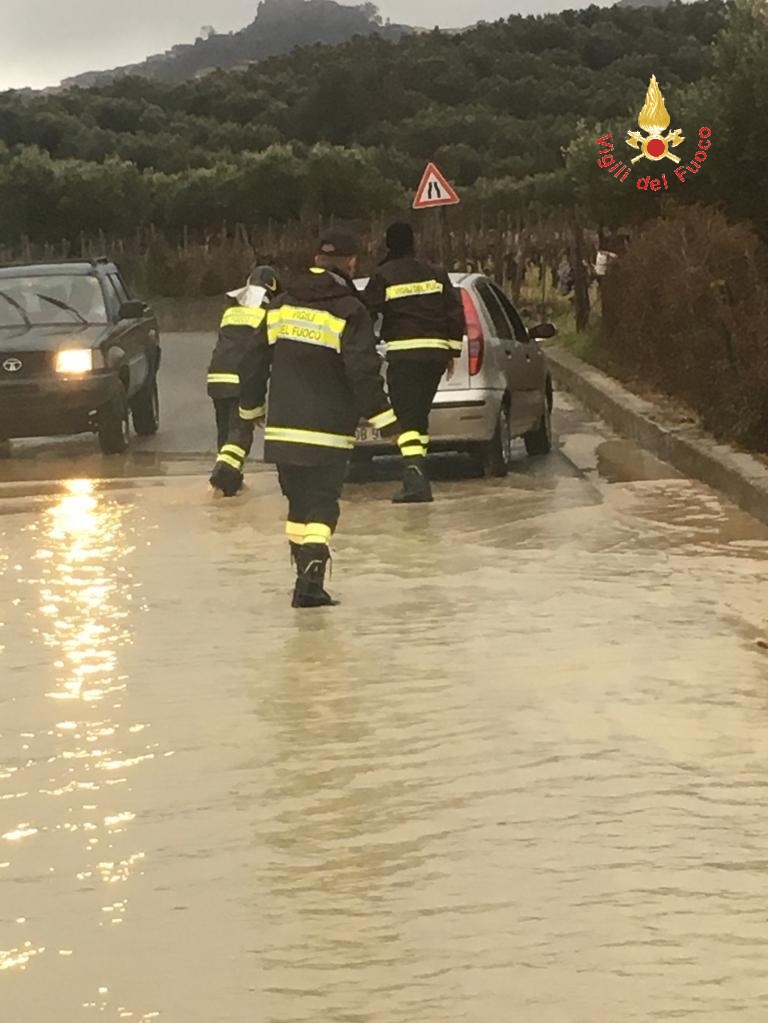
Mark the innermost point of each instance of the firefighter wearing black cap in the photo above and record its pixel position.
(237, 334)
(319, 359)
(423, 327)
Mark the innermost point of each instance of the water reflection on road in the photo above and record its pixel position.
(519, 774)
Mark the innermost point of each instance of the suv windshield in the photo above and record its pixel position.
(51, 301)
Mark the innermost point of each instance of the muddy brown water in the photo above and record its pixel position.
(519, 775)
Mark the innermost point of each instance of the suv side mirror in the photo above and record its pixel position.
(132, 310)
(543, 331)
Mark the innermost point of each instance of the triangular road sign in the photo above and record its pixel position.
(434, 190)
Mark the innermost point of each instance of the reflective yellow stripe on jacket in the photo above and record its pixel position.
(287, 435)
(311, 326)
(243, 316)
(415, 288)
(419, 342)
(223, 378)
(383, 419)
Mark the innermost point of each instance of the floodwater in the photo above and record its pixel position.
(519, 776)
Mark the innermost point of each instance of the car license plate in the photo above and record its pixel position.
(365, 433)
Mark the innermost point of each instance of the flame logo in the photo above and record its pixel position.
(654, 117)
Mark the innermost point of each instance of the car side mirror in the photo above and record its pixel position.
(132, 310)
(543, 331)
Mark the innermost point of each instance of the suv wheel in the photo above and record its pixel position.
(145, 408)
(493, 457)
(539, 441)
(113, 427)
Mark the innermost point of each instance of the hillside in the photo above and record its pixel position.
(347, 129)
(643, 3)
(279, 27)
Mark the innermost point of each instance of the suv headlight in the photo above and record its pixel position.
(74, 361)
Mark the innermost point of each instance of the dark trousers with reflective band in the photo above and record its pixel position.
(313, 493)
(234, 435)
(226, 417)
(412, 388)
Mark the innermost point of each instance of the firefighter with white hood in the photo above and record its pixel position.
(237, 334)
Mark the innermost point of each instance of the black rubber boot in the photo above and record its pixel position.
(416, 486)
(311, 562)
(295, 551)
(226, 480)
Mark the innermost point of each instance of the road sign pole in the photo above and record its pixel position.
(436, 193)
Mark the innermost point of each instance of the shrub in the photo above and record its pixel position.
(685, 310)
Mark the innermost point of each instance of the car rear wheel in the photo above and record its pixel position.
(145, 408)
(113, 426)
(493, 457)
(539, 441)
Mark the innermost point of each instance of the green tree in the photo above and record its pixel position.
(348, 180)
(741, 62)
(28, 196)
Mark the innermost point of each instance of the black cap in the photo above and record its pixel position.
(338, 242)
(400, 238)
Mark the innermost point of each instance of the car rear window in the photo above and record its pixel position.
(501, 326)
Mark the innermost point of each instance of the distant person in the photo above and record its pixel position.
(237, 334)
(317, 354)
(566, 279)
(423, 328)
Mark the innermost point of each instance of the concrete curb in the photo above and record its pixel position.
(739, 476)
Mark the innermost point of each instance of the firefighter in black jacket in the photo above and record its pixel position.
(318, 356)
(423, 327)
(237, 333)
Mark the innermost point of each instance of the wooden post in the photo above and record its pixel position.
(543, 278)
(498, 254)
(446, 242)
(519, 259)
(461, 254)
(580, 283)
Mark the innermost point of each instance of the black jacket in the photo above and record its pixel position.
(423, 316)
(237, 334)
(318, 355)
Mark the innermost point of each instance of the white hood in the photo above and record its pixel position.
(252, 295)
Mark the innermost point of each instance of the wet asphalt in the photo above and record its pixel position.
(518, 775)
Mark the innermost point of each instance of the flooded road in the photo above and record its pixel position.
(186, 443)
(519, 775)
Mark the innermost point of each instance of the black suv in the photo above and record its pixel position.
(77, 354)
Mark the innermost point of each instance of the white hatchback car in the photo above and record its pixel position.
(501, 389)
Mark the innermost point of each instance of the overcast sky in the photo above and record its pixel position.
(43, 41)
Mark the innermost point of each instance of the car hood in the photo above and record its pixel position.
(50, 339)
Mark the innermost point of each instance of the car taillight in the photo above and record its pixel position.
(475, 336)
